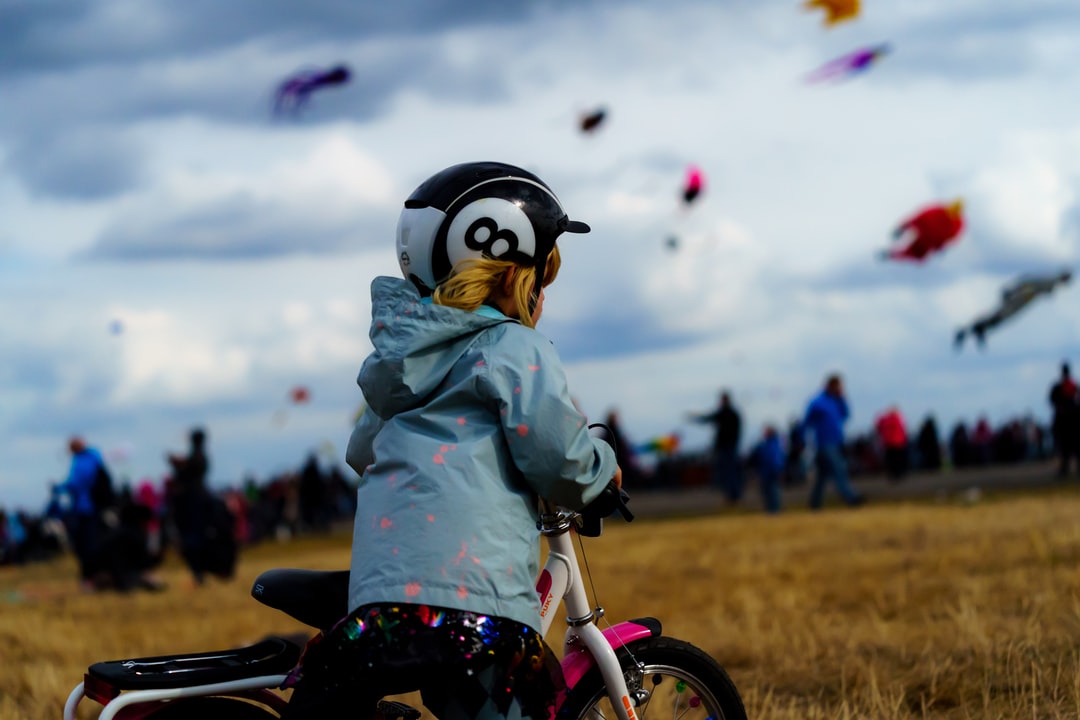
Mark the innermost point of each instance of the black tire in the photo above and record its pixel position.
(211, 708)
(667, 678)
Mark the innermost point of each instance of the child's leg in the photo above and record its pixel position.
(822, 472)
(477, 698)
(514, 676)
(770, 490)
(311, 702)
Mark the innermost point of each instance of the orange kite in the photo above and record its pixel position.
(836, 11)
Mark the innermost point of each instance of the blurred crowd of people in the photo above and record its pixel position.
(119, 534)
(815, 450)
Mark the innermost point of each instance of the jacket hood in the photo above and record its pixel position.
(416, 344)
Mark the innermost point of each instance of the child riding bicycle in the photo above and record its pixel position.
(469, 421)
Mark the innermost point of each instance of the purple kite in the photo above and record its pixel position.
(294, 93)
(849, 65)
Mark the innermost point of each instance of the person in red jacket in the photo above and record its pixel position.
(928, 232)
(1065, 399)
(892, 431)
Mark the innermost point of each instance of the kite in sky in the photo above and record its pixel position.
(293, 94)
(693, 184)
(1014, 298)
(298, 395)
(836, 11)
(662, 445)
(590, 122)
(120, 454)
(846, 66)
(927, 232)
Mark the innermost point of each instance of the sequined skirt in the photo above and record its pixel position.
(478, 663)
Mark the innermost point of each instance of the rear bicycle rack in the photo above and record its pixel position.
(249, 672)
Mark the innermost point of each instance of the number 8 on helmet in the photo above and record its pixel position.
(479, 209)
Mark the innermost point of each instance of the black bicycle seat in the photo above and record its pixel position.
(318, 598)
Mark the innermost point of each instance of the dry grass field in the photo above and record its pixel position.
(905, 610)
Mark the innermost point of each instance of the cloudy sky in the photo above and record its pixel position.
(172, 254)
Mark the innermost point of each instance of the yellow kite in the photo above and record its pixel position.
(836, 11)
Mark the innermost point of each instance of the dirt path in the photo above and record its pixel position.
(955, 485)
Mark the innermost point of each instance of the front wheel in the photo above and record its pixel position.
(667, 678)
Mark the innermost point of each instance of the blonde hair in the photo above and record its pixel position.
(474, 282)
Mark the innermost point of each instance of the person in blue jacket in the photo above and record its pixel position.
(825, 418)
(82, 518)
(468, 422)
(769, 459)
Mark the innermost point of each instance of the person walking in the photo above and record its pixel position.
(189, 503)
(625, 457)
(892, 432)
(769, 460)
(929, 445)
(825, 418)
(795, 465)
(1065, 400)
(727, 471)
(82, 519)
(313, 497)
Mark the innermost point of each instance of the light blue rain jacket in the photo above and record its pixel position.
(469, 419)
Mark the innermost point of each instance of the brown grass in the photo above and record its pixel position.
(885, 612)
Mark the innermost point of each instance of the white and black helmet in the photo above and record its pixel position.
(479, 209)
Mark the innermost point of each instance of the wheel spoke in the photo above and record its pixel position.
(643, 710)
(675, 714)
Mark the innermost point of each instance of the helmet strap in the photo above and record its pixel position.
(534, 296)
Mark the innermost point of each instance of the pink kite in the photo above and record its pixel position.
(693, 185)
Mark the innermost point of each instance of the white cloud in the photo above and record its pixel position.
(235, 199)
(173, 359)
(1025, 193)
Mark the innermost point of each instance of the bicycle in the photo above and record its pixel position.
(619, 672)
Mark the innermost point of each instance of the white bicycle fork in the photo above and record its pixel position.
(561, 579)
